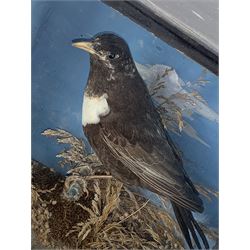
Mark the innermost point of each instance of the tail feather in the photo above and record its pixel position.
(202, 235)
(188, 222)
(182, 225)
(188, 225)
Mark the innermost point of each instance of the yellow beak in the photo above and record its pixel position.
(85, 45)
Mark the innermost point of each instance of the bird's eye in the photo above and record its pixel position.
(113, 56)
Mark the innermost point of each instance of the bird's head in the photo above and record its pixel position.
(113, 74)
(108, 49)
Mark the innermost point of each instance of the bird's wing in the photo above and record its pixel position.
(149, 154)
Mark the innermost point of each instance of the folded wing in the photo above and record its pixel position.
(150, 154)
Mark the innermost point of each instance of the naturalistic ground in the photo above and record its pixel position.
(88, 209)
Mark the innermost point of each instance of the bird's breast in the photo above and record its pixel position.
(94, 107)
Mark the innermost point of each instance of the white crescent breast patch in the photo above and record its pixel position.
(93, 108)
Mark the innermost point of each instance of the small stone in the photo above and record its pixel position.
(54, 202)
(126, 214)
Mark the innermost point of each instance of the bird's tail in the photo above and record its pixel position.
(189, 225)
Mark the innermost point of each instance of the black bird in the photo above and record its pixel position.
(126, 132)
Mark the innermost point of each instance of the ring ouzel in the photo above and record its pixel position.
(124, 129)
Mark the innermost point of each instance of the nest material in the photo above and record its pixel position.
(108, 216)
(91, 210)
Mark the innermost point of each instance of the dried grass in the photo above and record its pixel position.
(176, 100)
(116, 220)
(40, 217)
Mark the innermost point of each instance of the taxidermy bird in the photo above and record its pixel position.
(124, 129)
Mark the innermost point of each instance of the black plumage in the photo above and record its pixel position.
(130, 139)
